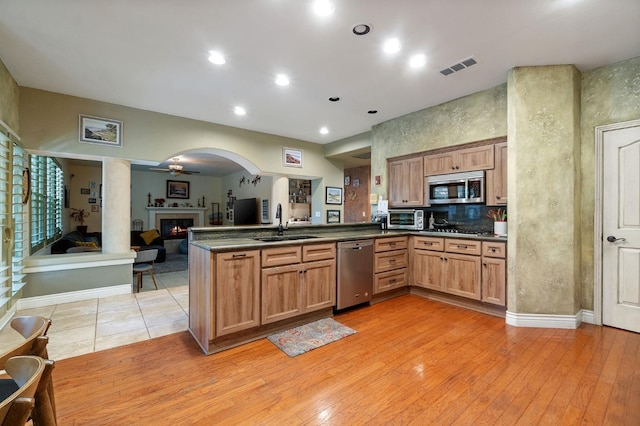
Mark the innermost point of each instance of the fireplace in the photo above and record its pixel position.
(174, 229)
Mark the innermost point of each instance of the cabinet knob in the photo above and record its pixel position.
(497, 197)
(484, 263)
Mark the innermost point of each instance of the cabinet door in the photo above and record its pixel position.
(462, 276)
(406, 182)
(439, 164)
(319, 285)
(497, 178)
(494, 281)
(237, 291)
(281, 293)
(478, 158)
(427, 269)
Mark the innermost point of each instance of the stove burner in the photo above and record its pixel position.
(460, 231)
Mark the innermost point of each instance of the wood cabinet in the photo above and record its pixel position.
(461, 160)
(450, 265)
(497, 178)
(237, 293)
(391, 261)
(406, 182)
(494, 273)
(297, 280)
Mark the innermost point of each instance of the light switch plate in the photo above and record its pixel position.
(317, 214)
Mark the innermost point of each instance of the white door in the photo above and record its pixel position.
(621, 229)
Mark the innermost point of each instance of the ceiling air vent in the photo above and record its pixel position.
(466, 63)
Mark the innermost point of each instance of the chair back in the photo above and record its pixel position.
(33, 329)
(146, 256)
(26, 372)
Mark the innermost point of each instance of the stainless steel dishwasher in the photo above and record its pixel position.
(355, 273)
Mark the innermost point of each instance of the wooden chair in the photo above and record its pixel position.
(25, 373)
(34, 329)
(144, 263)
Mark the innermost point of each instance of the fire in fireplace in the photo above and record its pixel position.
(173, 229)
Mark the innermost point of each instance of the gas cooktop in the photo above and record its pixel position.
(460, 231)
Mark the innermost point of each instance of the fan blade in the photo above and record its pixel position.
(155, 169)
(189, 172)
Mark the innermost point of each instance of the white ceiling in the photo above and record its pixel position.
(152, 54)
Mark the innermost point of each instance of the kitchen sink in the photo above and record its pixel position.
(285, 238)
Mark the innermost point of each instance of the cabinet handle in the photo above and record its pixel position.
(428, 243)
(393, 280)
(392, 243)
(497, 197)
(239, 255)
(462, 246)
(484, 263)
(493, 250)
(392, 260)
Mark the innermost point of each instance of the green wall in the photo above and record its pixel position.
(610, 94)
(479, 116)
(8, 99)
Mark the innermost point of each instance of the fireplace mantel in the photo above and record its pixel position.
(170, 212)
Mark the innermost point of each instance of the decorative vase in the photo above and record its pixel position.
(500, 228)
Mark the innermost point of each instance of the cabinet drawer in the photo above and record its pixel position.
(390, 243)
(493, 249)
(428, 243)
(389, 280)
(452, 245)
(281, 256)
(390, 260)
(314, 252)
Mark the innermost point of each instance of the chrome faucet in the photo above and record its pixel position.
(279, 216)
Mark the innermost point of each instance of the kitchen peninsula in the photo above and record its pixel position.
(246, 282)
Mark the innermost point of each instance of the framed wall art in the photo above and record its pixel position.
(333, 216)
(102, 131)
(292, 157)
(177, 189)
(333, 195)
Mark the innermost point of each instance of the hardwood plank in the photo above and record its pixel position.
(412, 361)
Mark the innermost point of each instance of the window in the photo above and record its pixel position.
(5, 224)
(18, 212)
(47, 189)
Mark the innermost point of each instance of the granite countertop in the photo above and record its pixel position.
(246, 242)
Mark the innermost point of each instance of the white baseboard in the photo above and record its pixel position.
(72, 296)
(544, 320)
(588, 317)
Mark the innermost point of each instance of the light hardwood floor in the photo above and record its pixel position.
(412, 361)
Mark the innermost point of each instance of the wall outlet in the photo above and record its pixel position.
(363, 214)
(317, 214)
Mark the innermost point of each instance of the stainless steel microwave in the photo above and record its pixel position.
(405, 219)
(456, 188)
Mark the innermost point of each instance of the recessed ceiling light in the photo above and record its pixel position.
(324, 131)
(323, 7)
(392, 45)
(216, 57)
(239, 110)
(417, 61)
(282, 80)
(361, 29)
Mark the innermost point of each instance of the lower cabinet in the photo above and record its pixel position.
(469, 268)
(494, 273)
(391, 261)
(237, 291)
(298, 286)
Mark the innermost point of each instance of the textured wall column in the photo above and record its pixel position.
(116, 205)
(543, 128)
(280, 194)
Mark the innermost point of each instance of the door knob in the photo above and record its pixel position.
(613, 239)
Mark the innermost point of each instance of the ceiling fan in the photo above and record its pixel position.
(175, 169)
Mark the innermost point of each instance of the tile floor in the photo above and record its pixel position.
(93, 325)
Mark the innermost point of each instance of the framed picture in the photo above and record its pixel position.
(291, 157)
(333, 195)
(102, 131)
(85, 191)
(177, 189)
(95, 208)
(347, 180)
(333, 216)
(92, 201)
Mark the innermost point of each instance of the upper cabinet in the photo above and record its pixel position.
(496, 194)
(406, 182)
(462, 160)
